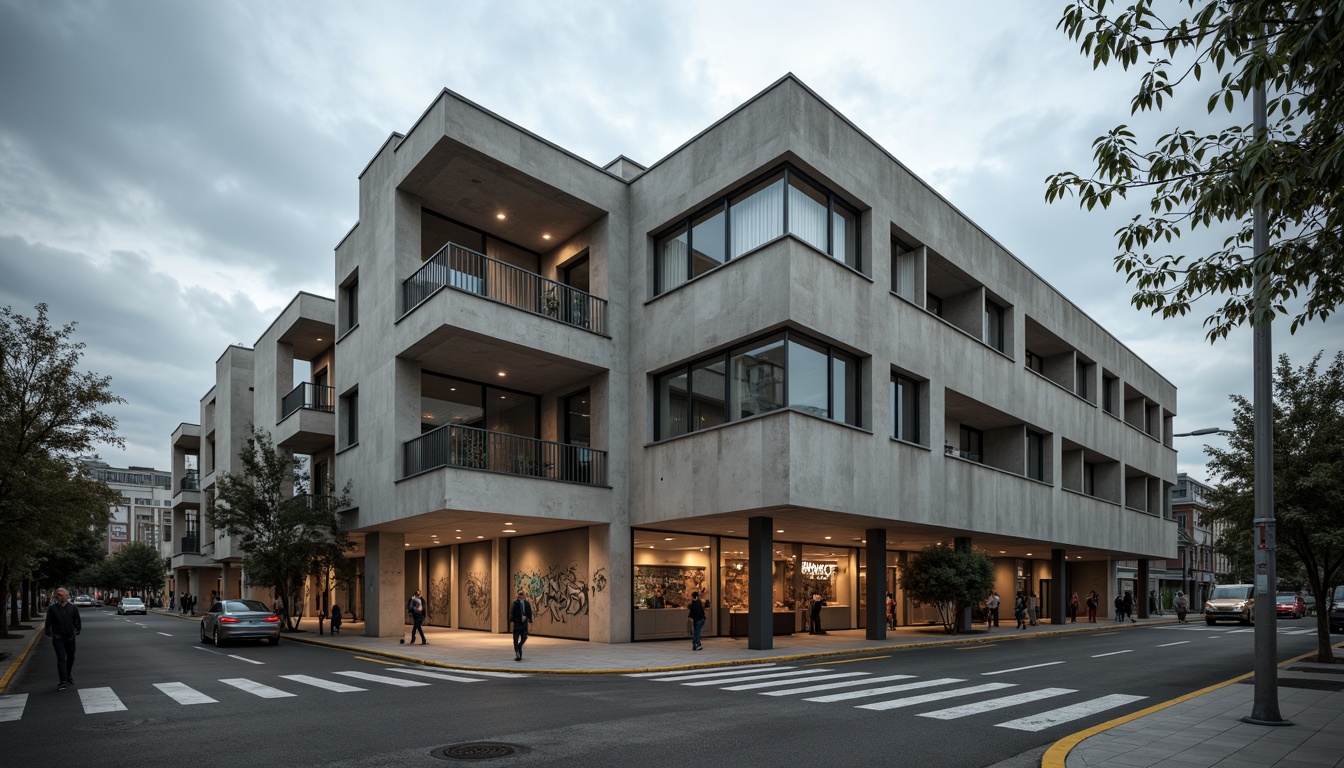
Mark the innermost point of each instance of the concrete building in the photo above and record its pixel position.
(143, 514)
(1196, 560)
(773, 363)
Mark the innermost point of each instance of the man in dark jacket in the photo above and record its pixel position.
(697, 619)
(520, 615)
(62, 626)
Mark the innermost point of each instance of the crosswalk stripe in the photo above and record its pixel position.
(910, 701)
(1043, 720)
(794, 673)
(439, 675)
(831, 686)
(184, 694)
(719, 673)
(254, 688)
(318, 682)
(382, 679)
(773, 683)
(1019, 669)
(96, 700)
(885, 689)
(11, 707)
(666, 673)
(989, 705)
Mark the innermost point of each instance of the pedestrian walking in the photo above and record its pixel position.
(992, 609)
(1073, 609)
(891, 611)
(1153, 608)
(1119, 608)
(1092, 601)
(1033, 607)
(335, 619)
(1182, 607)
(62, 626)
(817, 604)
(1020, 610)
(416, 607)
(697, 619)
(520, 615)
(1129, 606)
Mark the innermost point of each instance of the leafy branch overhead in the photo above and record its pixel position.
(1294, 169)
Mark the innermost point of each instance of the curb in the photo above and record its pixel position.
(1058, 752)
(18, 662)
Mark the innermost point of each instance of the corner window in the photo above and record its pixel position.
(783, 370)
(782, 202)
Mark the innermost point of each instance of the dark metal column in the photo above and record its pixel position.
(1141, 588)
(1059, 597)
(760, 602)
(875, 553)
(963, 544)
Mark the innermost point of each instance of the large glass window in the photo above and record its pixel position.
(972, 443)
(578, 419)
(668, 569)
(782, 370)
(445, 400)
(767, 208)
(905, 409)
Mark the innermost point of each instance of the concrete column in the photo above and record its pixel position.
(225, 575)
(1141, 587)
(195, 579)
(384, 584)
(761, 606)
(876, 584)
(1059, 598)
(454, 573)
(964, 616)
(609, 583)
(502, 586)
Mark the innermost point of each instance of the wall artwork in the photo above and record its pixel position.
(439, 599)
(474, 565)
(552, 571)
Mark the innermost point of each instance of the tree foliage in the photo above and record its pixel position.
(949, 579)
(281, 527)
(1308, 476)
(139, 567)
(1294, 169)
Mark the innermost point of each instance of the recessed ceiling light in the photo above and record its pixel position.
(828, 538)
(459, 537)
(500, 216)
(650, 546)
(480, 537)
(545, 237)
(668, 538)
(1001, 551)
(502, 374)
(457, 530)
(509, 530)
(1028, 554)
(781, 530)
(319, 338)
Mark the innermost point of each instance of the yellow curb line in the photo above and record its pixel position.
(1058, 752)
(14, 666)
(684, 667)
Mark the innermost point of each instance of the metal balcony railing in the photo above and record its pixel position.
(472, 448)
(950, 451)
(314, 397)
(208, 549)
(191, 545)
(466, 270)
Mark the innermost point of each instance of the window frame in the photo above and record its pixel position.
(1037, 452)
(898, 381)
(790, 175)
(994, 322)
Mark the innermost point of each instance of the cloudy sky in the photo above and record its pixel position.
(172, 173)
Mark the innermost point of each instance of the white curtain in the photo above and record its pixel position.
(905, 275)
(807, 218)
(674, 263)
(757, 219)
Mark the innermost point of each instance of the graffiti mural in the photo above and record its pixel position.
(600, 581)
(557, 594)
(478, 595)
(439, 600)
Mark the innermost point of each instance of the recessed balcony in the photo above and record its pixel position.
(465, 270)
(482, 450)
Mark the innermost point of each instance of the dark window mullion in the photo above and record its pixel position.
(830, 224)
(787, 173)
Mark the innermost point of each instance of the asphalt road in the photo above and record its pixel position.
(148, 693)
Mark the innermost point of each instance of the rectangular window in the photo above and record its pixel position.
(902, 269)
(1035, 456)
(844, 235)
(1035, 362)
(1080, 378)
(351, 418)
(807, 214)
(708, 389)
(933, 304)
(758, 378)
(972, 443)
(673, 260)
(1109, 387)
(757, 217)
(844, 388)
(673, 405)
(350, 310)
(578, 419)
(993, 325)
(808, 389)
(709, 241)
(1089, 478)
(905, 409)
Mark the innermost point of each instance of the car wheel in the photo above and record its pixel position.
(204, 639)
(272, 641)
(1210, 622)
(218, 642)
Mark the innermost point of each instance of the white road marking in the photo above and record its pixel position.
(382, 679)
(749, 678)
(326, 684)
(439, 675)
(1241, 631)
(773, 683)
(97, 700)
(702, 675)
(1040, 722)
(244, 658)
(11, 707)
(484, 673)
(910, 701)
(830, 686)
(885, 689)
(165, 634)
(688, 671)
(184, 694)
(1112, 653)
(1178, 642)
(1019, 669)
(207, 650)
(989, 705)
(256, 689)
(1301, 632)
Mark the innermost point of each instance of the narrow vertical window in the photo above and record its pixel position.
(1035, 455)
(844, 388)
(673, 404)
(972, 443)
(1081, 379)
(902, 270)
(350, 312)
(351, 419)
(905, 409)
(673, 260)
(757, 216)
(994, 325)
(1089, 478)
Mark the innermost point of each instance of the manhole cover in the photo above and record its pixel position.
(112, 725)
(479, 750)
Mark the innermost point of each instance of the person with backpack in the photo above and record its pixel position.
(416, 607)
(1182, 607)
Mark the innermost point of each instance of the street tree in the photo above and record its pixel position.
(1294, 169)
(51, 412)
(1308, 476)
(279, 523)
(951, 580)
(139, 567)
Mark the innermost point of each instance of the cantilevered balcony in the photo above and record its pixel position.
(315, 397)
(480, 449)
(470, 272)
(308, 420)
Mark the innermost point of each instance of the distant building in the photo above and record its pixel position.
(1197, 561)
(144, 512)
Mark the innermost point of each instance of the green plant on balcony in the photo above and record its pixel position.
(471, 451)
(550, 303)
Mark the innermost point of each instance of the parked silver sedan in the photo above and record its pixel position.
(229, 620)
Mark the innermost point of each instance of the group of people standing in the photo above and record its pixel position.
(1027, 608)
(187, 603)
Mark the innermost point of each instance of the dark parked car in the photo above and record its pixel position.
(229, 620)
(1337, 610)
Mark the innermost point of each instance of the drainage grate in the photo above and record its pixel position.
(1314, 685)
(479, 750)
